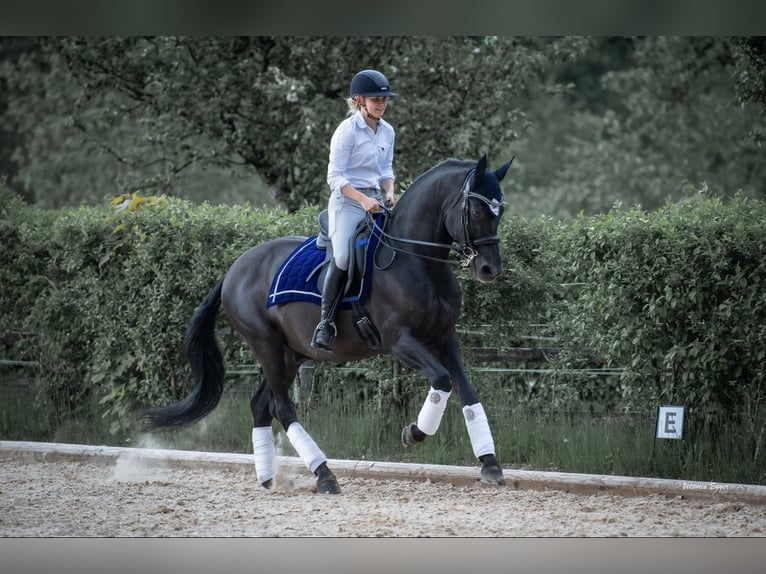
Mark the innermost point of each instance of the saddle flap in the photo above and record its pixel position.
(301, 275)
(359, 258)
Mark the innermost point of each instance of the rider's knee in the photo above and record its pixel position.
(341, 260)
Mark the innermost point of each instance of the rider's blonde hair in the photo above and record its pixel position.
(354, 104)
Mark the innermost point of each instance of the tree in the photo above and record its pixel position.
(660, 122)
(749, 56)
(11, 49)
(72, 146)
(593, 121)
(152, 108)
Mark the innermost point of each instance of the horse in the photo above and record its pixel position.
(414, 302)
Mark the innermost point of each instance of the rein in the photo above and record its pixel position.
(466, 249)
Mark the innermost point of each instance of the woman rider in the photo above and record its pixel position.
(359, 169)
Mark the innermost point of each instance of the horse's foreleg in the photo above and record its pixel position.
(414, 354)
(476, 421)
(483, 446)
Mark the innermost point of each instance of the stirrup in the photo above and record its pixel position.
(324, 323)
(322, 329)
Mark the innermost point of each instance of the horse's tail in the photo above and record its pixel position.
(207, 367)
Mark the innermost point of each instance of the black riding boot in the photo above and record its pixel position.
(324, 334)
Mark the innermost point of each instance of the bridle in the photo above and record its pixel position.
(494, 205)
(467, 249)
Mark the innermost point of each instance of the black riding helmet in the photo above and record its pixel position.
(369, 83)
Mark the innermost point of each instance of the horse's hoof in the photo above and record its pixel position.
(268, 484)
(328, 487)
(412, 435)
(492, 475)
(407, 439)
(326, 481)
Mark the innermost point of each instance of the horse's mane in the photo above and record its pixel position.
(450, 162)
(423, 180)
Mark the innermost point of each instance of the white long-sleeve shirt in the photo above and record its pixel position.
(360, 156)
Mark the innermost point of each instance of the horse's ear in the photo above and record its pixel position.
(478, 172)
(500, 171)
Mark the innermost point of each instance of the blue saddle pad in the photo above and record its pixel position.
(292, 282)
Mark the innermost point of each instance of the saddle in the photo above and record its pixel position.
(361, 256)
(358, 261)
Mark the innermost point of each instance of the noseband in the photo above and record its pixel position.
(468, 247)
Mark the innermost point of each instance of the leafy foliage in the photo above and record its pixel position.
(593, 121)
(749, 55)
(675, 296)
(75, 145)
(655, 120)
(148, 110)
(108, 292)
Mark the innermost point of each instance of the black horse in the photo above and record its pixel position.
(414, 302)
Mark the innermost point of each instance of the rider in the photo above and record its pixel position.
(360, 167)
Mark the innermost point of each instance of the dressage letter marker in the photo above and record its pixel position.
(670, 422)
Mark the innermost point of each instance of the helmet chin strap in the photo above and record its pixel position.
(367, 113)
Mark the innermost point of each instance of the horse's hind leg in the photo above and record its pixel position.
(280, 371)
(264, 452)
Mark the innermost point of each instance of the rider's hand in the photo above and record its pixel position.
(370, 204)
(389, 202)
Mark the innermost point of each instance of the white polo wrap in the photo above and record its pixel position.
(305, 446)
(478, 430)
(432, 411)
(263, 453)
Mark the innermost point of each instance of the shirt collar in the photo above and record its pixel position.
(360, 123)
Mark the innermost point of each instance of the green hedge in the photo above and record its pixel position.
(675, 297)
(108, 292)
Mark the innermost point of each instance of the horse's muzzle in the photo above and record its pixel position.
(484, 270)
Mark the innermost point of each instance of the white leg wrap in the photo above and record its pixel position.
(305, 446)
(264, 453)
(478, 430)
(432, 411)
